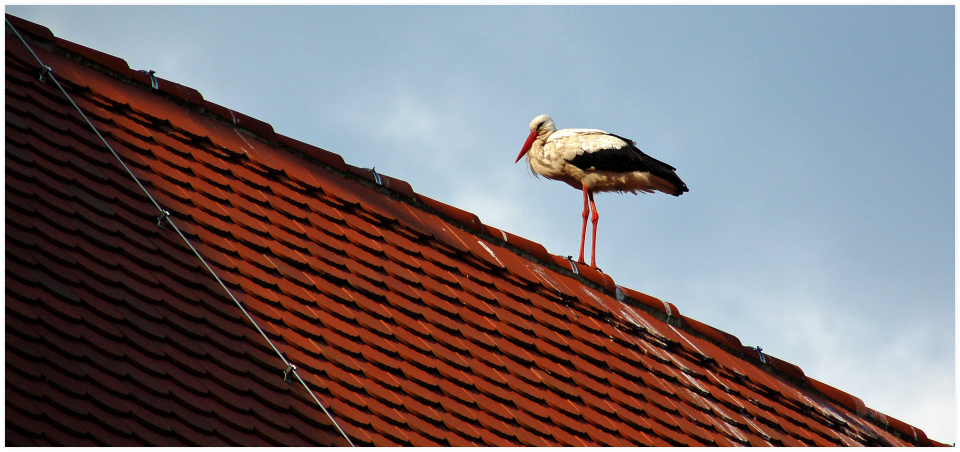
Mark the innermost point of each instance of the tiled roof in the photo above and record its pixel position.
(415, 323)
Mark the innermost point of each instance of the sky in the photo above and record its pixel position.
(818, 144)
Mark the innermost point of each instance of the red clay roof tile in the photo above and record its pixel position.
(329, 158)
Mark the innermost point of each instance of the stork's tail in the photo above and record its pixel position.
(680, 189)
(671, 186)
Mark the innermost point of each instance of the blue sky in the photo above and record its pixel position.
(818, 144)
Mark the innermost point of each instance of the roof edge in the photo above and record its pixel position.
(400, 190)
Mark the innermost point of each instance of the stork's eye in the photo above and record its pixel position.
(539, 126)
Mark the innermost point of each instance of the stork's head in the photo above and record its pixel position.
(541, 126)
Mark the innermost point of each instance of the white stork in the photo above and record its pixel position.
(595, 161)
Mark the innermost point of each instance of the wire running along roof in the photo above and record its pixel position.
(413, 322)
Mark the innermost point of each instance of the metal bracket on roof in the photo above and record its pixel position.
(286, 373)
(760, 352)
(620, 295)
(573, 265)
(376, 176)
(43, 73)
(162, 217)
(154, 84)
(153, 80)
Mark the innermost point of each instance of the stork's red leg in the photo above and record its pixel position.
(593, 244)
(586, 213)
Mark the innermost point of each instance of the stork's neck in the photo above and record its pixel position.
(543, 162)
(536, 148)
(543, 136)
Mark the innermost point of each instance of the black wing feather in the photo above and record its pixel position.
(627, 159)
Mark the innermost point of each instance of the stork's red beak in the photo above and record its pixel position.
(526, 145)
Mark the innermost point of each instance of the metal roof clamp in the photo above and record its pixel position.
(573, 265)
(154, 84)
(286, 373)
(44, 70)
(162, 217)
(760, 352)
(376, 176)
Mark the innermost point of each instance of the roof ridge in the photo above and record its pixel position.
(402, 191)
